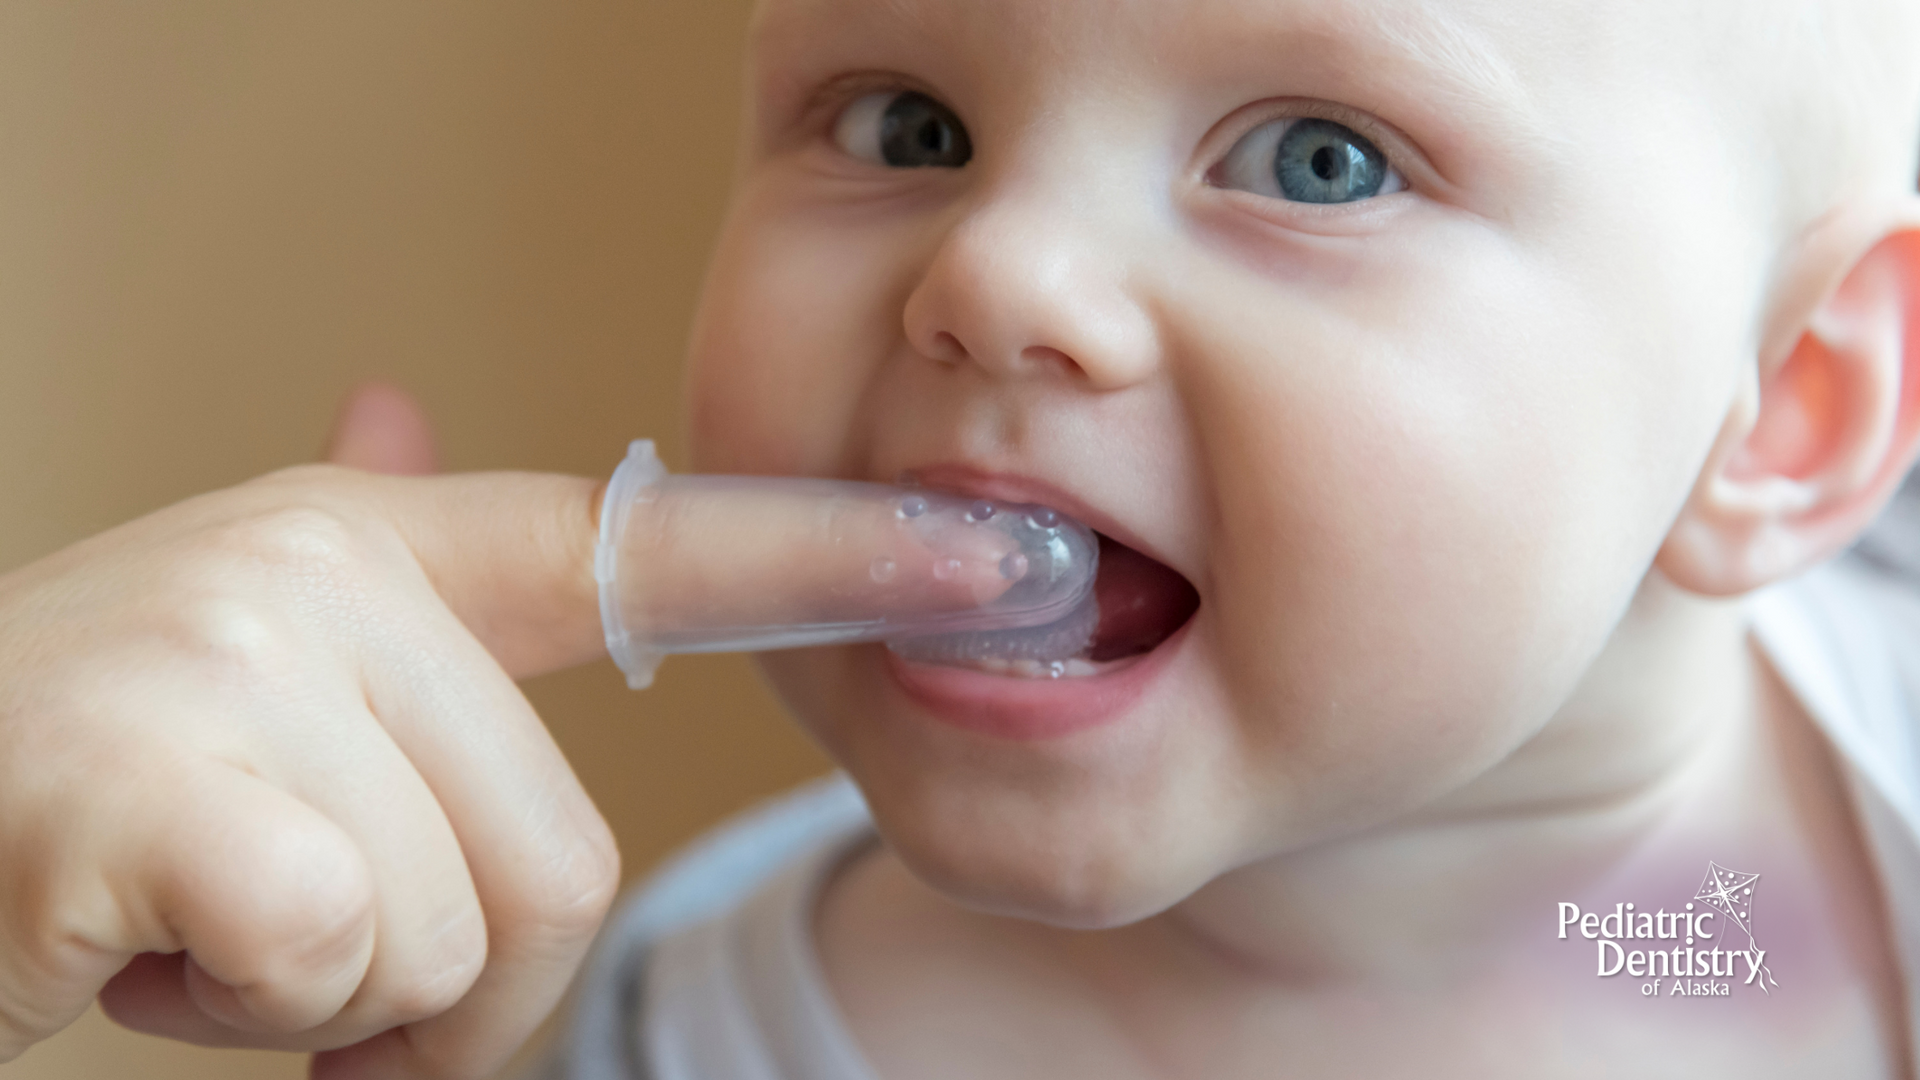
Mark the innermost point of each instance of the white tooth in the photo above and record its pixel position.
(1034, 669)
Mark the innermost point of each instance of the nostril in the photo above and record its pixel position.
(946, 347)
(1042, 355)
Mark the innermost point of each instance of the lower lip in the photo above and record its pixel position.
(1031, 709)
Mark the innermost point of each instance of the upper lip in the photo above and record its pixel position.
(964, 479)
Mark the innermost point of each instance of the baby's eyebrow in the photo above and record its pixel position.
(1463, 59)
(1455, 67)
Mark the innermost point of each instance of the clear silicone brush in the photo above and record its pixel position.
(691, 564)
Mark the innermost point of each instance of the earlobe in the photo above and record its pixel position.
(1816, 442)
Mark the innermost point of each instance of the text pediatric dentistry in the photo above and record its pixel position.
(1725, 899)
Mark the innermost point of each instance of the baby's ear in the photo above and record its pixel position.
(1820, 438)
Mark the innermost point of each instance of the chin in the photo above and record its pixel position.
(1041, 873)
(1089, 831)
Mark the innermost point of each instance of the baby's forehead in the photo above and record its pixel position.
(1477, 37)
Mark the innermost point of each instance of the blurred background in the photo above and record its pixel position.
(216, 216)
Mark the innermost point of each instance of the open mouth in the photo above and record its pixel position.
(1136, 604)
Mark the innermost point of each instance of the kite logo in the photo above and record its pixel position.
(1687, 946)
(1730, 892)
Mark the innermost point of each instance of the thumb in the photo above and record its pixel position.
(380, 428)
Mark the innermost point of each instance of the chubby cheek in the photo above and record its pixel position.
(1427, 525)
(794, 314)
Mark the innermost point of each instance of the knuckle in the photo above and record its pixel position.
(235, 641)
(60, 929)
(48, 972)
(310, 910)
(327, 939)
(569, 900)
(330, 923)
(448, 969)
(296, 539)
(260, 584)
(587, 887)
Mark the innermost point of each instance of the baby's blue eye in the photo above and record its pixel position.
(903, 130)
(1308, 161)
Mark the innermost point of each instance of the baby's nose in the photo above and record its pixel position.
(1025, 289)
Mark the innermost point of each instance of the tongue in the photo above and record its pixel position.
(1142, 602)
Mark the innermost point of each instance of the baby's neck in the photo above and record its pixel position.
(1680, 747)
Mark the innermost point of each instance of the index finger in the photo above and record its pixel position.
(509, 553)
(707, 564)
(712, 564)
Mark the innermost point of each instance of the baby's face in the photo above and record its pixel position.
(1398, 330)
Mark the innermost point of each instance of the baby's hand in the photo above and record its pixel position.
(266, 779)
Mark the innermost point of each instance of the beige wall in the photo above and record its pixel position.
(216, 216)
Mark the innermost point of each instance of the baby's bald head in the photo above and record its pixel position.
(1831, 89)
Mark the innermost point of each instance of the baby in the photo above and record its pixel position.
(1464, 359)
(1441, 375)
